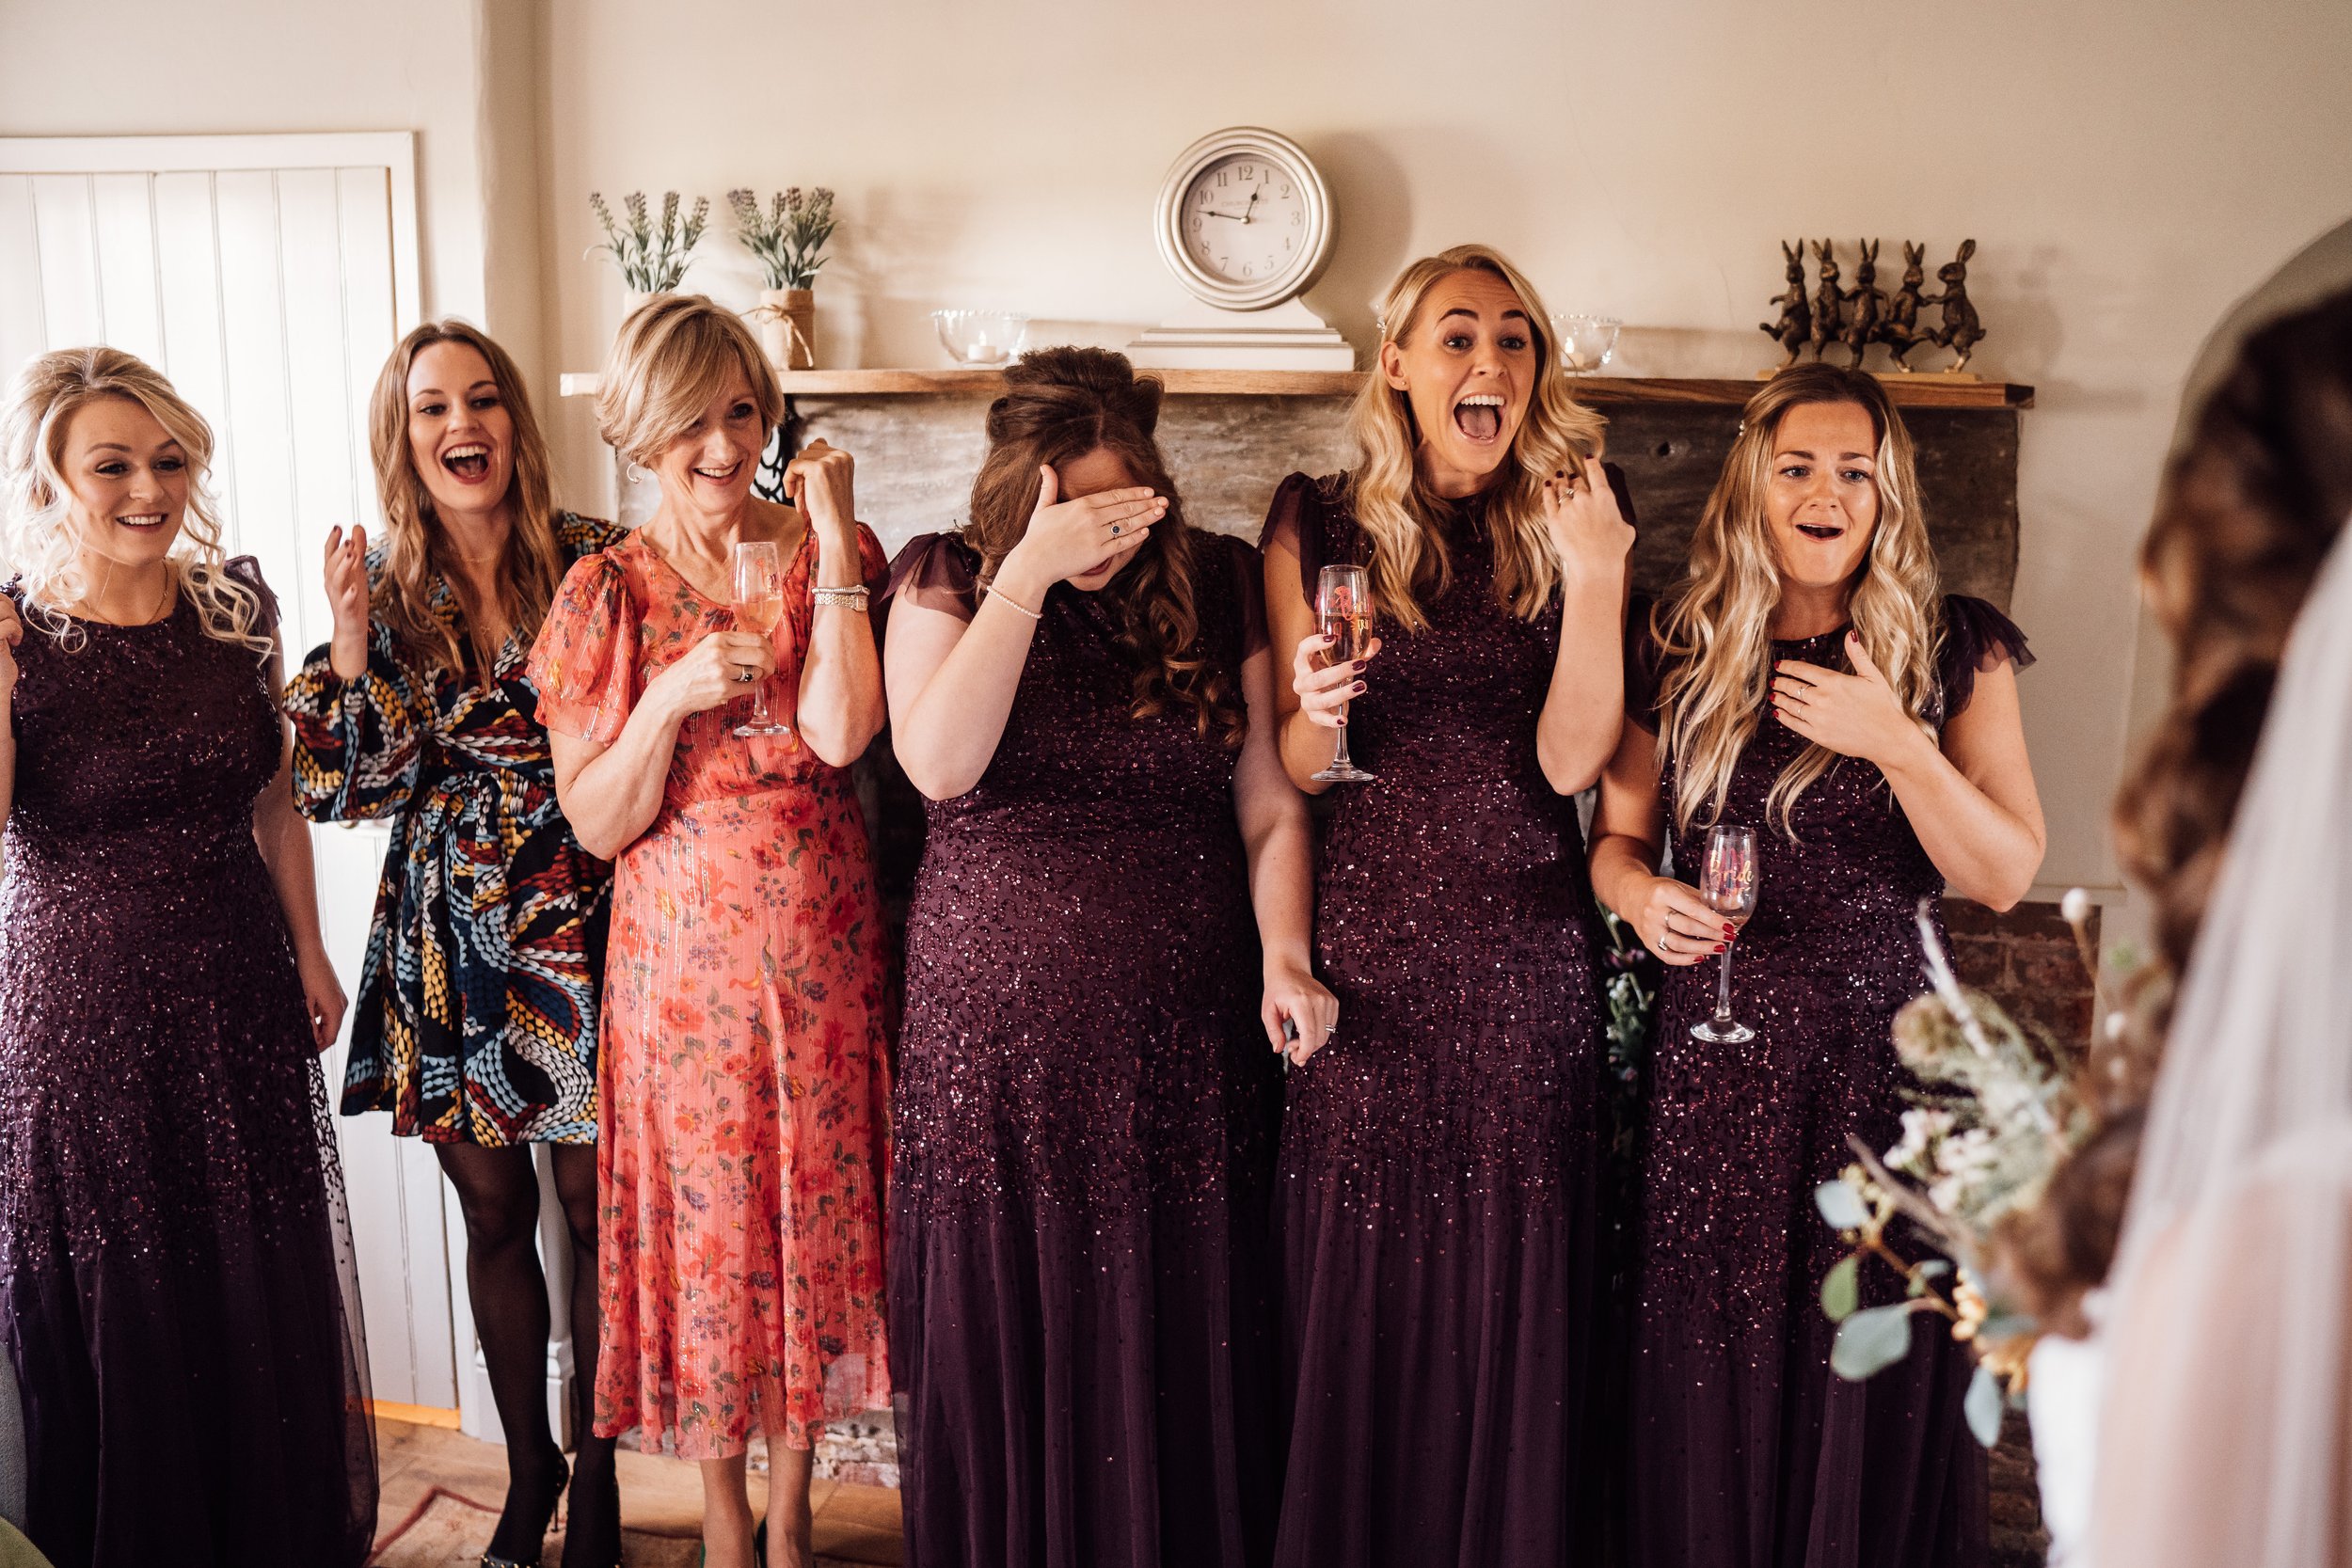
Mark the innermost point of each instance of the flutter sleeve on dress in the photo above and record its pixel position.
(247, 572)
(584, 664)
(1294, 521)
(1978, 639)
(937, 571)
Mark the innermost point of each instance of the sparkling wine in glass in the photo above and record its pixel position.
(1343, 605)
(759, 605)
(1728, 881)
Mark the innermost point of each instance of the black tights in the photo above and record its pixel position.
(498, 1190)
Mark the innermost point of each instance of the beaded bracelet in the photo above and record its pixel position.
(853, 597)
(1007, 598)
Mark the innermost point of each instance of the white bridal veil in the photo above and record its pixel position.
(2226, 1436)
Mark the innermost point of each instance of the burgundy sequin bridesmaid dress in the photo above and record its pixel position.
(1082, 1315)
(1747, 1452)
(1435, 1202)
(170, 1287)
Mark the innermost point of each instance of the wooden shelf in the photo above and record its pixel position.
(1927, 389)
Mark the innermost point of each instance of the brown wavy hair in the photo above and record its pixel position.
(416, 550)
(1059, 405)
(2252, 504)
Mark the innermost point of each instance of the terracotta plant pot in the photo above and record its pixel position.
(788, 328)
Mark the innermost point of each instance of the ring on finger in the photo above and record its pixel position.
(1117, 528)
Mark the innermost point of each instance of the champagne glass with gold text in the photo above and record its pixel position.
(1343, 605)
(1727, 881)
(759, 605)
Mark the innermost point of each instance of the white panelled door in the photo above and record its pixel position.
(268, 276)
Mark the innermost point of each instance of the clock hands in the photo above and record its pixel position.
(1243, 215)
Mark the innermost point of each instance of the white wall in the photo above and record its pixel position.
(2127, 170)
(175, 66)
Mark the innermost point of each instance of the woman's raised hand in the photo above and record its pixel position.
(348, 596)
(1325, 690)
(1678, 924)
(818, 481)
(1589, 535)
(1075, 538)
(1855, 716)
(722, 667)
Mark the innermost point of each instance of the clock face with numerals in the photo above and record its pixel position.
(1245, 219)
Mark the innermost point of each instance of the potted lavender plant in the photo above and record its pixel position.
(651, 256)
(788, 239)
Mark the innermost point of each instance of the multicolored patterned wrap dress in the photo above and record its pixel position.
(477, 1014)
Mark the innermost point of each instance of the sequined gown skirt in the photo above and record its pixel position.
(1081, 1313)
(1435, 1202)
(1747, 1452)
(173, 1287)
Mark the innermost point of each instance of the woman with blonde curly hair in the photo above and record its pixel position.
(1435, 1202)
(743, 1065)
(1809, 681)
(173, 1279)
(477, 1019)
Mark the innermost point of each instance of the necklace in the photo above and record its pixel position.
(153, 616)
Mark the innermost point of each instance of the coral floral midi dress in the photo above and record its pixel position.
(744, 1076)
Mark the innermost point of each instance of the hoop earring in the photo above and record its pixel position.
(636, 474)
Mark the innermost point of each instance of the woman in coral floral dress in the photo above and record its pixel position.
(744, 1078)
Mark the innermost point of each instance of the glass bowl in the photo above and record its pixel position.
(1585, 341)
(980, 338)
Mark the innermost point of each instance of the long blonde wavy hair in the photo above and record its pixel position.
(1715, 630)
(39, 539)
(417, 551)
(1399, 512)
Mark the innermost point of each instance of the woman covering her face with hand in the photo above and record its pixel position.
(744, 1075)
(1809, 681)
(476, 1026)
(170, 1197)
(1106, 945)
(1437, 1198)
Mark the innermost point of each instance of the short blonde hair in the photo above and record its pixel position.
(673, 355)
(38, 540)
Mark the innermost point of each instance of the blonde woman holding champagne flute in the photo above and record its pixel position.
(1830, 739)
(1435, 1202)
(745, 1081)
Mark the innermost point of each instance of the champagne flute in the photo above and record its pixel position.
(1343, 605)
(1727, 883)
(759, 605)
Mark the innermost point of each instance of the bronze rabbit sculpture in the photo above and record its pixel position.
(1795, 326)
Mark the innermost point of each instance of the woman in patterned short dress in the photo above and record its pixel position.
(746, 1088)
(476, 1026)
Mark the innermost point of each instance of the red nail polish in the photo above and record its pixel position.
(1357, 688)
(1362, 664)
(1719, 947)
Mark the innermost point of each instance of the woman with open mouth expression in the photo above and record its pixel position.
(746, 1087)
(1809, 681)
(477, 1021)
(169, 1288)
(1435, 1203)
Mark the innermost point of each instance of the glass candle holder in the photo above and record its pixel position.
(1585, 341)
(978, 339)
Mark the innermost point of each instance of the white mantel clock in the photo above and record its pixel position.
(1244, 221)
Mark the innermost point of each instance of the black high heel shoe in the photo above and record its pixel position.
(564, 1474)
